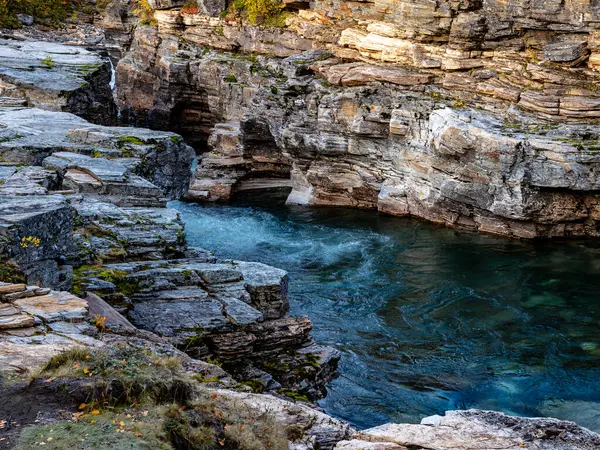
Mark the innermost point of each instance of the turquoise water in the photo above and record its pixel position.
(427, 318)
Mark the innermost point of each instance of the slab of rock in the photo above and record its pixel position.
(474, 429)
(59, 78)
(11, 317)
(320, 430)
(35, 233)
(55, 307)
(30, 135)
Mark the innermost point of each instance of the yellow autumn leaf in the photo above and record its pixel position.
(86, 370)
(82, 406)
(95, 412)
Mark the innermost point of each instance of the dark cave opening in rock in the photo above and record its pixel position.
(192, 119)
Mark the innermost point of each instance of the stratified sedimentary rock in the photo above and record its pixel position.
(57, 77)
(481, 116)
(474, 429)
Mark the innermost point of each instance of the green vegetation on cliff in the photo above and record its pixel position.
(265, 12)
(46, 12)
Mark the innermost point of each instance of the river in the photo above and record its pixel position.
(427, 318)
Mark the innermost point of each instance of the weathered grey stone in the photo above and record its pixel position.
(474, 429)
(28, 136)
(54, 307)
(58, 78)
(35, 233)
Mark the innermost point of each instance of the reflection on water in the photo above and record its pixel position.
(427, 318)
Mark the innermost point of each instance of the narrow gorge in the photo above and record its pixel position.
(299, 225)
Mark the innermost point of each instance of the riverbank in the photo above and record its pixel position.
(84, 208)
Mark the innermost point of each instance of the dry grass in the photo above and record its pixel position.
(180, 412)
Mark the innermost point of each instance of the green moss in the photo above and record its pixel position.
(214, 361)
(131, 140)
(200, 379)
(176, 140)
(124, 285)
(10, 273)
(48, 63)
(230, 78)
(293, 395)
(257, 386)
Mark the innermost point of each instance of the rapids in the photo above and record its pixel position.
(428, 318)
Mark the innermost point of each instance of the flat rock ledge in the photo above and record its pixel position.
(56, 77)
(473, 430)
(38, 323)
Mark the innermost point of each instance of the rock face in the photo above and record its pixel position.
(112, 158)
(479, 116)
(56, 77)
(84, 207)
(37, 323)
(474, 429)
(127, 166)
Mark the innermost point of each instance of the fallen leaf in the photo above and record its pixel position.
(214, 396)
(222, 443)
(138, 434)
(95, 412)
(82, 406)
(86, 370)
(2, 424)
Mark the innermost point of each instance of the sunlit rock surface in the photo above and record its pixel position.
(478, 116)
(475, 429)
(57, 77)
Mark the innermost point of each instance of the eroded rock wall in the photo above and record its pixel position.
(471, 114)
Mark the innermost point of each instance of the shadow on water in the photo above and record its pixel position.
(428, 318)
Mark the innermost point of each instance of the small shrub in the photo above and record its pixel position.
(145, 12)
(266, 12)
(190, 7)
(47, 12)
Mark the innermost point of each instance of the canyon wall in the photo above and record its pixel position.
(475, 114)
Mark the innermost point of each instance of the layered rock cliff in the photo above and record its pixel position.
(474, 114)
(83, 207)
(481, 115)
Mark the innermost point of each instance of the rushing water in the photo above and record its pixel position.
(427, 318)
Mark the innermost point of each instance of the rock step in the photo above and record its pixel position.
(12, 102)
